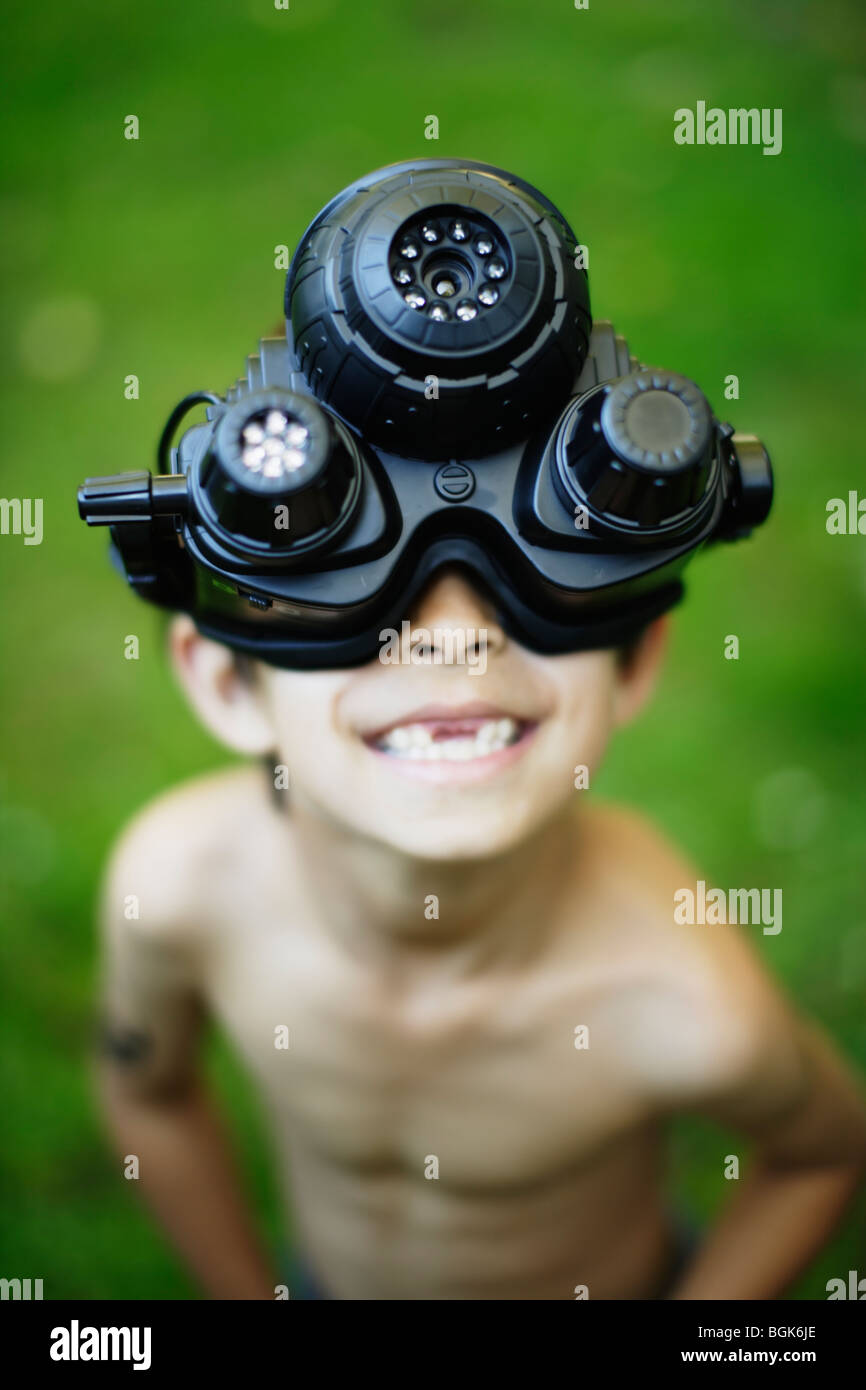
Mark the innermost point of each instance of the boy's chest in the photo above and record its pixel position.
(515, 1082)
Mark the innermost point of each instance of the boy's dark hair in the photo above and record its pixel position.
(625, 654)
(245, 666)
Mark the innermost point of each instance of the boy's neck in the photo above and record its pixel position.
(382, 903)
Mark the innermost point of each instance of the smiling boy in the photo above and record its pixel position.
(464, 991)
(491, 1010)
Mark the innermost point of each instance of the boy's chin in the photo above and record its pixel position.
(459, 838)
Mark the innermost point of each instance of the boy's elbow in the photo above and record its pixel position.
(120, 1090)
(837, 1146)
(853, 1133)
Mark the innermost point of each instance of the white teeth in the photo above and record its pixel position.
(416, 741)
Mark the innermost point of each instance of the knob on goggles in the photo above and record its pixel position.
(440, 397)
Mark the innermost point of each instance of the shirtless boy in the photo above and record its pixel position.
(460, 986)
(452, 1037)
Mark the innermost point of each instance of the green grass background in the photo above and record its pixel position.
(156, 257)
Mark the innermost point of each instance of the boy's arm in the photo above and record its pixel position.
(154, 1105)
(792, 1095)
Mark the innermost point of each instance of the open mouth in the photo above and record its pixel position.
(444, 743)
(451, 740)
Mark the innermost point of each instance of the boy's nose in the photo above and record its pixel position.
(451, 604)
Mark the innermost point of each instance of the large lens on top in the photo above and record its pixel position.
(437, 308)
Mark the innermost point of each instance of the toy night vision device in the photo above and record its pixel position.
(441, 397)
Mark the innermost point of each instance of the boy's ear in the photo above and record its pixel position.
(228, 704)
(637, 677)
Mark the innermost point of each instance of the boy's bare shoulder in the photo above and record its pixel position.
(693, 1008)
(180, 852)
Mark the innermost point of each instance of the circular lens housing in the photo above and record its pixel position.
(506, 348)
(279, 474)
(639, 455)
(457, 264)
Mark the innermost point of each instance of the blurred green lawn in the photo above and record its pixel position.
(155, 257)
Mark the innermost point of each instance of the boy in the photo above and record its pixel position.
(466, 997)
(491, 1009)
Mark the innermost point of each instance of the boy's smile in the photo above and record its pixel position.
(453, 742)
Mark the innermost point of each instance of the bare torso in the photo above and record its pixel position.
(450, 1140)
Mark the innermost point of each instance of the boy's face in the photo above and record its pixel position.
(459, 747)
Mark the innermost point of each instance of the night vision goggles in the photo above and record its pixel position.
(441, 397)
